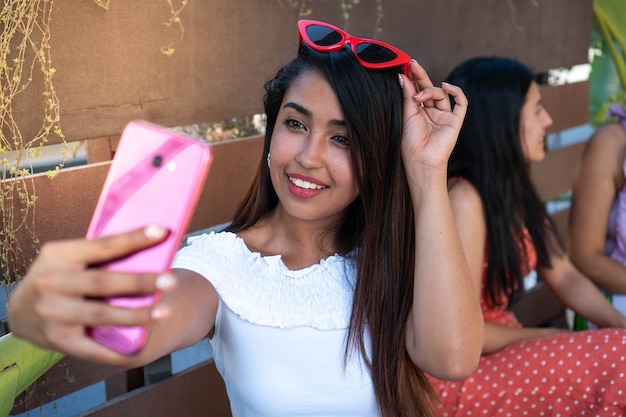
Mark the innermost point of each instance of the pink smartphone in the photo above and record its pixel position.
(156, 177)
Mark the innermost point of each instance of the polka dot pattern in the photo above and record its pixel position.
(570, 374)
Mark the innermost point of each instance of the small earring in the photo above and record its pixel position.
(268, 159)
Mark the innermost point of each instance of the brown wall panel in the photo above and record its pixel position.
(65, 204)
(62, 210)
(539, 307)
(110, 69)
(561, 223)
(554, 175)
(100, 149)
(234, 164)
(567, 104)
(198, 391)
(440, 34)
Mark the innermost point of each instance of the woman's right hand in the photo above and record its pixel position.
(58, 298)
(431, 126)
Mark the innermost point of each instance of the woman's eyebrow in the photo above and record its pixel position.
(300, 109)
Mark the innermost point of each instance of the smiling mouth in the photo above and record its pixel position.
(305, 184)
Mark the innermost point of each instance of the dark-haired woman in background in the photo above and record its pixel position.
(507, 235)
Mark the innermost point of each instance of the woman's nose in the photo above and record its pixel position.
(311, 153)
(548, 120)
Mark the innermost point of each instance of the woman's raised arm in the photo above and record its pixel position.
(445, 328)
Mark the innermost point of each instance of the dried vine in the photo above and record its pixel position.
(102, 3)
(24, 58)
(174, 20)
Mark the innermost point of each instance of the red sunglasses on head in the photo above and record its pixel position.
(370, 53)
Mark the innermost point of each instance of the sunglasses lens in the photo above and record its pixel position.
(323, 36)
(374, 54)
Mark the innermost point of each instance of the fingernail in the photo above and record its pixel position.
(401, 80)
(415, 60)
(154, 231)
(165, 282)
(160, 312)
(445, 83)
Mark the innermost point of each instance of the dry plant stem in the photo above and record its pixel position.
(174, 19)
(103, 4)
(24, 54)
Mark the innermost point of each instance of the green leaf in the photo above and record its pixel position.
(616, 14)
(604, 84)
(608, 63)
(20, 365)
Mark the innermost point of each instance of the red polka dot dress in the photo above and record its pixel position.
(570, 374)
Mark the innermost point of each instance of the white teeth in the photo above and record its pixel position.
(305, 184)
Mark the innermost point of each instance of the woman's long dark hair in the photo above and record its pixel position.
(489, 154)
(378, 226)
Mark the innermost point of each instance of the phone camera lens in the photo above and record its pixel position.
(157, 161)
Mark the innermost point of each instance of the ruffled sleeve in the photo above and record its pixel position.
(262, 290)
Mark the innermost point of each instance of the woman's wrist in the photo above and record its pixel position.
(426, 177)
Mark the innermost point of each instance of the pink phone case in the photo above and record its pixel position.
(156, 177)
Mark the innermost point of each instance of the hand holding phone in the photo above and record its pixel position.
(155, 178)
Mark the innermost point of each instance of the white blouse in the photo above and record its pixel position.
(280, 335)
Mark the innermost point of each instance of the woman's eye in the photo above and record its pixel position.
(342, 140)
(293, 124)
